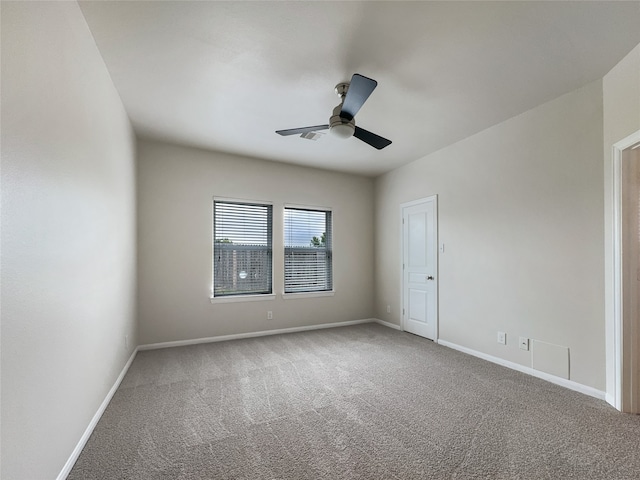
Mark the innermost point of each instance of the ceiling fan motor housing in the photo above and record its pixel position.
(339, 126)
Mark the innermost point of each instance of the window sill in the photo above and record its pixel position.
(293, 296)
(243, 298)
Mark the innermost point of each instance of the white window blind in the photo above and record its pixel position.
(242, 248)
(307, 250)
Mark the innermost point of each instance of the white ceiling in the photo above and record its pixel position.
(225, 75)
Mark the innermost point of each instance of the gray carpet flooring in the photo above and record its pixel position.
(360, 402)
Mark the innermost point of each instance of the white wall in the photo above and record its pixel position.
(68, 235)
(175, 190)
(520, 214)
(621, 113)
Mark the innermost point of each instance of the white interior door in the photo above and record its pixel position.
(419, 263)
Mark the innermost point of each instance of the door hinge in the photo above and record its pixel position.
(403, 266)
(403, 220)
(403, 311)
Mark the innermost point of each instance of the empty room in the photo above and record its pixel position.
(320, 240)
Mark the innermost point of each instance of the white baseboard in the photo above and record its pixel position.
(94, 421)
(264, 333)
(578, 387)
(387, 324)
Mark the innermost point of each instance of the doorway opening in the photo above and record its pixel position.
(626, 269)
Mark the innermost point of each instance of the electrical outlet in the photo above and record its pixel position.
(524, 343)
(388, 308)
(269, 315)
(502, 338)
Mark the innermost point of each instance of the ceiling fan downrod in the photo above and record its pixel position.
(340, 126)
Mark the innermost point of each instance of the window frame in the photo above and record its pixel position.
(312, 293)
(241, 297)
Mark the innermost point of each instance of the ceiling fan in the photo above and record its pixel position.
(343, 123)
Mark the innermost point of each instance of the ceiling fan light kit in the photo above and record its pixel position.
(342, 130)
(341, 127)
(342, 123)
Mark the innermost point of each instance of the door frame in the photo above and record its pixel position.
(433, 198)
(615, 314)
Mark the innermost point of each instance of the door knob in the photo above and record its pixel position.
(430, 277)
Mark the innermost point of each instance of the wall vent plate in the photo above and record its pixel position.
(312, 135)
(550, 358)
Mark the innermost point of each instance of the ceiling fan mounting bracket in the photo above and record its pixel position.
(341, 89)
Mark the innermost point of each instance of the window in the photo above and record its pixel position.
(307, 250)
(242, 253)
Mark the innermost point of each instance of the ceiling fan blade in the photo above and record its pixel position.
(359, 90)
(295, 131)
(376, 141)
